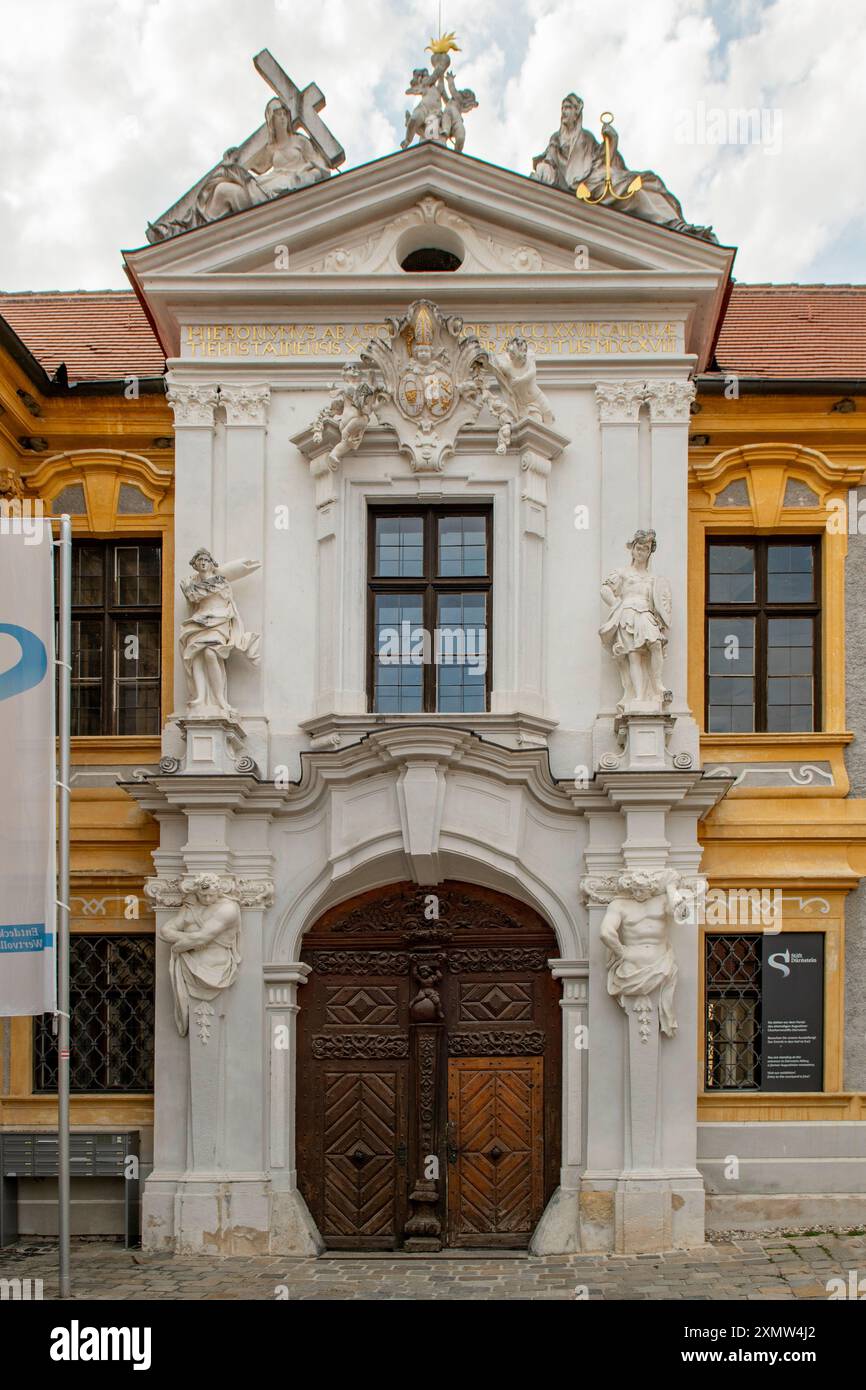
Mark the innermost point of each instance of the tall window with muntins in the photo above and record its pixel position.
(111, 990)
(116, 637)
(430, 589)
(763, 635)
(733, 1013)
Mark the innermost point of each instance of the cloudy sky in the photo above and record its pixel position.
(111, 109)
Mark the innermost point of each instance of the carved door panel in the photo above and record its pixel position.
(496, 1149)
(353, 1072)
(363, 1124)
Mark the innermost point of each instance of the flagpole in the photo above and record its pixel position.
(64, 662)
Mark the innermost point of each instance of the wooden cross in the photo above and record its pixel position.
(303, 106)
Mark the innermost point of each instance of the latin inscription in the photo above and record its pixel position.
(573, 338)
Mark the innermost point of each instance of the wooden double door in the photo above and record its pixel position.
(428, 1071)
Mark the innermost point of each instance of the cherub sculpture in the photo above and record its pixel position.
(439, 113)
(351, 408)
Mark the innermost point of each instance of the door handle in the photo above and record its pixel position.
(450, 1146)
(401, 1153)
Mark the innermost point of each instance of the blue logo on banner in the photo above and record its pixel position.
(31, 668)
(30, 936)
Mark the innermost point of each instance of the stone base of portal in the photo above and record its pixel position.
(642, 1213)
(557, 1233)
(225, 1214)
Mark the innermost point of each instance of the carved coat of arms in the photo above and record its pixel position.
(433, 380)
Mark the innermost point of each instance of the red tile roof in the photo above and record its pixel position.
(771, 331)
(789, 331)
(101, 335)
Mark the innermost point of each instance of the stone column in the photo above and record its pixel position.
(641, 1190)
(558, 1231)
(293, 1231)
(193, 404)
(246, 526)
(670, 412)
(316, 443)
(538, 445)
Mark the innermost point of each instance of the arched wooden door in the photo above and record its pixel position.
(428, 1070)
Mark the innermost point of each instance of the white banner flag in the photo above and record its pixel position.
(27, 772)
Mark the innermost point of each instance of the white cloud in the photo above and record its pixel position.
(112, 108)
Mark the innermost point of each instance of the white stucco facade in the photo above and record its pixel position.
(323, 799)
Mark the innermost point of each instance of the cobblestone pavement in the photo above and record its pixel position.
(794, 1267)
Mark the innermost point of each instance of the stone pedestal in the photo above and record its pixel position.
(213, 744)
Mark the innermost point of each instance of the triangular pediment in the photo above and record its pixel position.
(350, 234)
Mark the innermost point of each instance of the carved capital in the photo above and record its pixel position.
(192, 403)
(173, 892)
(670, 401)
(619, 402)
(245, 405)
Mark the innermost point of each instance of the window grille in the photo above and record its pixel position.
(111, 987)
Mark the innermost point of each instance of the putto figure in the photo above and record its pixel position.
(438, 114)
(641, 962)
(515, 370)
(636, 630)
(351, 408)
(213, 631)
(205, 946)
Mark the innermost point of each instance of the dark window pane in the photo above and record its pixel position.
(136, 575)
(88, 574)
(731, 574)
(87, 637)
(86, 709)
(136, 648)
(462, 546)
(790, 577)
(399, 547)
(732, 646)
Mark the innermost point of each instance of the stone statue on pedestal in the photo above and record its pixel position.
(205, 948)
(636, 630)
(636, 931)
(212, 632)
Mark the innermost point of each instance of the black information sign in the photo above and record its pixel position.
(792, 999)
